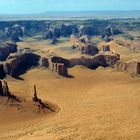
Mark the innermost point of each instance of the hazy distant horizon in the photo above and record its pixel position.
(81, 11)
(73, 15)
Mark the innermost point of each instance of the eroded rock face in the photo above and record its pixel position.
(1, 89)
(59, 65)
(132, 66)
(17, 64)
(96, 61)
(2, 72)
(57, 59)
(59, 69)
(6, 49)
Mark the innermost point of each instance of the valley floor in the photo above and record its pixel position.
(94, 105)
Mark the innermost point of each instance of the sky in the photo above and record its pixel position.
(40, 6)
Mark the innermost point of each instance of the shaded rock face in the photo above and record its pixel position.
(43, 62)
(59, 65)
(15, 32)
(58, 68)
(57, 59)
(105, 48)
(86, 30)
(1, 89)
(51, 31)
(17, 64)
(96, 61)
(2, 72)
(109, 31)
(6, 49)
(131, 67)
(90, 49)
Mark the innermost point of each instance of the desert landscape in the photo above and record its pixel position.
(70, 79)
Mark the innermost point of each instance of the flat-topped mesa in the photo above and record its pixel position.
(132, 66)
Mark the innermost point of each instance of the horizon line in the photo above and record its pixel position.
(71, 11)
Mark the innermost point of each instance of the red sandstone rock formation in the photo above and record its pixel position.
(132, 66)
(58, 68)
(95, 61)
(18, 63)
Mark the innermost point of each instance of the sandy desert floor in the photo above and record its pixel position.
(100, 104)
(95, 105)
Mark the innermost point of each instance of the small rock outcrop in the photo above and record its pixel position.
(132, 66)
(85, 46)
